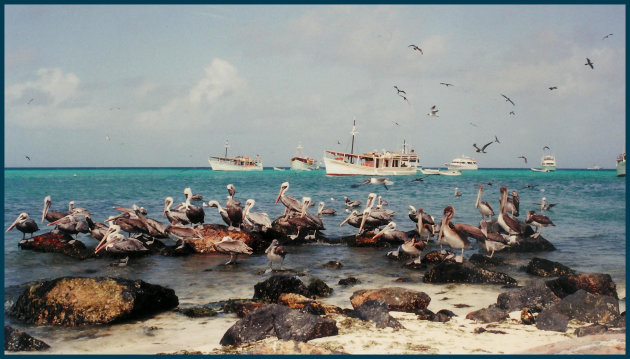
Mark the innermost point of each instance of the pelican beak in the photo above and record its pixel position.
(346, 220)
(59, 220)
(103, 241)
(13, 224)
(245, 211)
(45, 211)
(279, 195)
(363, 221)
(377, 234)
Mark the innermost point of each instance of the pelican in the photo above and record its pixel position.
(195, 214)
(175, 216)
(275, 253)
(539, 221)
(399, 90)
(24, 225)
(425, 229)
(446, 84)
(375, 217)
(513, 204)
(223, 213)
(392, 235)
(71, 225)
(77, 210)
(97, 229)
(426, 218)
(232, 247)
(494, 241)
(128, 224)
(507, 99)
(509, 224)
(483, 148)
(233, 207)
(413, 247)
(152, 227)
(115, 242)
(451, 237)
(375, 180)
(321, 211)
(544, 206)
(257, 219)
(483, 206)
(51, 216)
(290, 203)
(183, 233)
(524, 158)
(589, 63)
(457, 193)
(351, 204)
(433, 112)
(314, 222)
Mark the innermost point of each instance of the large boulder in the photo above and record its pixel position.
(319, 288)
(552, 321)
(435, 257)
(595, 283)
(488, 315)
(397, 298)
(545, 268)
(274, 320)
(589, 308)
(57, 242)
(376, 311)
(73, 301)
(270, 289)
(452, 272)
(16, 340)
(213, 233)
(536, 296)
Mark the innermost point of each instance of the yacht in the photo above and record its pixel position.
(548, 162)
(462, 163)
(621, 165)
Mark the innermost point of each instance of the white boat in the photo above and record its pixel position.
(462, 163)
(548, 162)
(301, 163)
(429, 171)
(450, 173)
(371, 163)
(594, 168)
(238, 163)
(278, 169)
(540, 170)
(621, 165)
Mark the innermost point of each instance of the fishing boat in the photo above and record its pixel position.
(621, 165)
(302, 163)
(238, 163)
(462, 163)
(371, 163)
(548, 162)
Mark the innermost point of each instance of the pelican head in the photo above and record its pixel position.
(305, 203)
(248, 205)
(391, 226)
(22, 217)
(168, 202)
(113, 228)
(231, 190)
(47, 204)
(354, 213)
(283, 188)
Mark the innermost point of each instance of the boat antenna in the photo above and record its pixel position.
(404, 146)
(226, 147)
(299, 148)
(354, 132)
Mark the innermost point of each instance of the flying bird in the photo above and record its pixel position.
(107, 138)
(523, 157)
(512, 113)
(589, 63)
(605, 37)
(28, 158)
(472, 124)
(446, 84)
(396, 123)
(546, 148)
(414, 47)
(553, 88)
(399, 90)
(482, 149)
(507, 99)
(496, 139)
(404, 98)
(29, 101)
(375, 180)
(433, 112)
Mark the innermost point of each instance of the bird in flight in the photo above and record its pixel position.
(472, 124)
(338, 142)
(404, 98)
(399, 90)
(107, 138)
(482, 149)
(433, 112)
(507, 99)
(396, 123)
(29, 101)
(414, 47)
(523, 157)
(446, 84)
(512, 113)
(28, 158)
(496, 139)
(546, 148)
(589, 63)
(553, 88)
(605, 37)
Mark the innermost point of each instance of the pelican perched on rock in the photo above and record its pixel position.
(539, 221)
(232, 247)
(175, 216)
(233, 207)
(275, 253)
(451, 237)
(24, 225)
(97, 229)
(494, 241)
(115, 242)
(82, 211)
(290, 203)
(414, 248)
(426, 218)
(49, 215)
(513, 204)
(256, 219)
(484, 207)
(70, 224)
(224, 214)
(509, 224)
(195, 214)
(374, 216)
(321, 211)
(391, 234)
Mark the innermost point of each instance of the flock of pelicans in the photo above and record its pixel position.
(294, 220)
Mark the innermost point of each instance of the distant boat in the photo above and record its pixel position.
(595, 168)
(548, 162)
(540, 169)
(450, 173)
(621, 165)
(429, 171)
(278, 169)
(238, 163)
(301, 163)
(462, 163)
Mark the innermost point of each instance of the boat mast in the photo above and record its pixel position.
(299, 149)
(404, 146)
(354, 132)
(226, 147)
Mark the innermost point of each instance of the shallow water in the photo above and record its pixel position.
(589, 234)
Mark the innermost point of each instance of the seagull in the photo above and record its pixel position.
(399, 90)
(605, 37)
(482, 149)
(507, 99)
(28, 158)
(523, 157)
(512, 113)
(433, 112)
(414, 47)
(553, 88)
(589, 63)
(446, 84)
(496, 139)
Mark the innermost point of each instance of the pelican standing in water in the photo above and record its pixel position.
(232, 247)
(484, 207)
(450, 236)
(457, 192)
(256, 219)
(351, 204)
(275, 253)
(539, 221)
(321, 211)
(24, 225)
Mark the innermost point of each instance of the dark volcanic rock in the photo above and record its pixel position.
(552, 321)
(365, 239)
(529, 244)
(241, 307)
(485, 261)
(198, 312)
(279, 321)
(488, 315)
(443, 315)
(319, 288)
(306, 305)
(546, 268)
(451, 272)
(536, 296)
(425, 314)
(16, 340)
(57, 242)
(595, 283)
(377, 312)
(349, 281)
(397, 298)
(587, 307)
(435, 256)
(270, 289)
(333, 265)
(73, 301)
(591, 330)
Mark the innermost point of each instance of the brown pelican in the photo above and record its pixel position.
(416, 48)
(375, 217)
(483, 206)
(70, 224)
(605, 37)
(97, 229)
(321, 211)
(375, 180)
(451, 237)
(381, 202)
(351, 204)
(539, 221)
(175, 216)
(544, 206)
(509, 224)
(433, 112)
(553, 88)
(314, 222)
(424, 229)
(494, 241)
(457, 193)
(354, 219)
(483, 148)
(446, 84)
(115, 242)
(232, 247)
(51, 216)
(413, 247)
(507, 99)
(128, 224)
(276, 253)
(524, 158)
(195, 214)
(196, 198)
(290, 203)
(513, 204)
(24, 225)
(224, 215)
(152, 227)
(589, 63)
(183, 233)
(77, 210)
(256, 219)
(426, 218)
(392, 235)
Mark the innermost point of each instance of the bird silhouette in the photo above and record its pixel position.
(523, 157)
(482, 149)
(433, 111)
(553, 88)
(589, 63)
(605, 37)
(546, 148)
(512, 113)
(414, 47)
(507, 99)
(399, 90)
(496, 139)
(28, 158)
(446, 84)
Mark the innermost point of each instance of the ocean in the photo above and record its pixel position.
(590, 236)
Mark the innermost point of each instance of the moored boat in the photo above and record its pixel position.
(429, 171)
(238, 163)
(302, 163)
(462, 163)
(450, 173)
(594, 168)
(540, 170)
(548, 162)
(621, 165)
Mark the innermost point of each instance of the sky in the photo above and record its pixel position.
(167, 85)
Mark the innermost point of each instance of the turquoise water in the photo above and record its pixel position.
(589, 234)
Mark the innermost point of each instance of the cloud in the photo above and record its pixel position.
(221, 79)
(54, 84)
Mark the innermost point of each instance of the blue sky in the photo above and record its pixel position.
(169, 84)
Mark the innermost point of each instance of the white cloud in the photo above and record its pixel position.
(54, 84)
(221, 79)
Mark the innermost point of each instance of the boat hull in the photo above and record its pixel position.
(297, 165)
(463, 163)
(341, 168)
(224, 166)
(621, 169)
